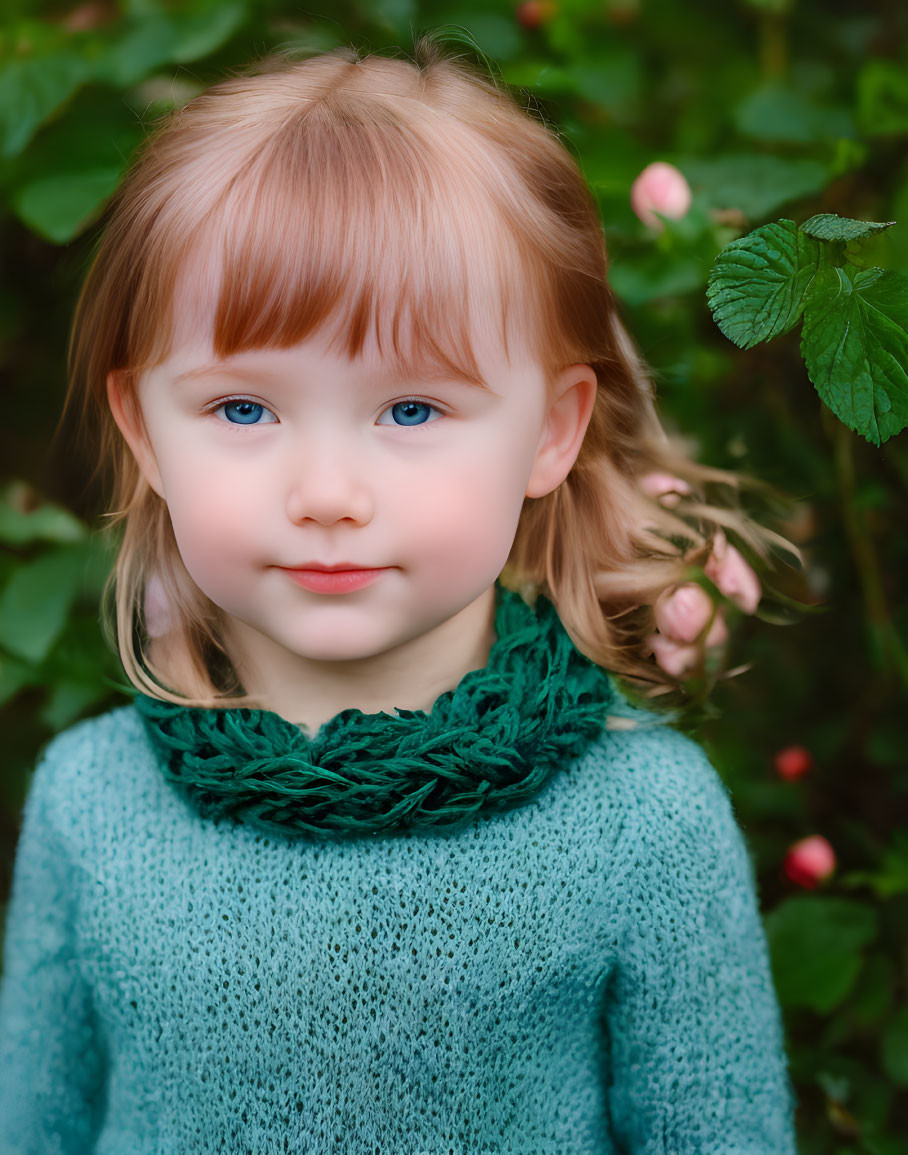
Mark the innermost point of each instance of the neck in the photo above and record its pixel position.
(410, 677)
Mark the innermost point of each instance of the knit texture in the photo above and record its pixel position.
(490, 743)
(586, 973)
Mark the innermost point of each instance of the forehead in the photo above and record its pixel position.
(398, 341)
(403, 246)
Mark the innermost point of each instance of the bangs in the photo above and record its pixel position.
(359, 224)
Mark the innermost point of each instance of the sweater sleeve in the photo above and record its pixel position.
(51, 1058)
(695, 1038)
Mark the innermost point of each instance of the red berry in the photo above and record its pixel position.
(532, 13)
(810, 861)
(793, 762)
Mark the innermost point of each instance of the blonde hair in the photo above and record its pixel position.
(336, 188)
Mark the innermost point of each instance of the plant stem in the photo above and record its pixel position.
(888, 649)
(773, 44)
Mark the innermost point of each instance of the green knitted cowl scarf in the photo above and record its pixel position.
(489, 744)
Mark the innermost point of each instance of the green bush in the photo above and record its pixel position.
(767, 107)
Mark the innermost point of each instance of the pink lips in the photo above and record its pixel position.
(334, 581)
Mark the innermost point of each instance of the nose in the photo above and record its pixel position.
(328, 483)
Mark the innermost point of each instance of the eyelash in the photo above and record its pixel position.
(212, 409)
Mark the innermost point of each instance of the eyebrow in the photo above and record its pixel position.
(436, 375)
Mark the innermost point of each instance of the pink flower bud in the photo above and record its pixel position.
(792, 763)
(675, 658)
(732, 576)
(158, 614)
(682, 613)
(660, 188)
(664, 487)
(810, 861)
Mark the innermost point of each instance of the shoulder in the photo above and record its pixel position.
(88, 746)
(653, 765)
(670, 798)
(95, 759)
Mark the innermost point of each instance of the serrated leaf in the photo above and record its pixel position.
(855, 346)
(830, 227)
(815, 943)
(758, 284)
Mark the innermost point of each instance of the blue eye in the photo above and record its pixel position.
(412, 411)
(247, 412)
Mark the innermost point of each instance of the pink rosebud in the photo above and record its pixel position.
(682, 613)
(660, 188)
(664, 487)
(732, 575)
(675, 658)
(792, 763)
(810, 861)
(158, 615)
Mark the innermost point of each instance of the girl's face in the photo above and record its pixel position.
(280, 460)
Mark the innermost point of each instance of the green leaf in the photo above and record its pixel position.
(14, 676)
(873, 994)
(894, 1048)
(892, 876)
(59, 207)
(36, 601)
(177, 36)
(829, 227)
(612, 80)
(883, 97)
(759, 283)
(58, 186)
(855, 346)
(394, 14)
(25, 517)
(815, 943)
(655, 276)
(784, 114)
(754, 183)
(66, 702)
(31, 89)
(539, 76)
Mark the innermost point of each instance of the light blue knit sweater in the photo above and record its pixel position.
(586, 973)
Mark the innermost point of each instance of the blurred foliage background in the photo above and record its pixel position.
(769, 108)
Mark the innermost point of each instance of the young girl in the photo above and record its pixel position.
(380, 859)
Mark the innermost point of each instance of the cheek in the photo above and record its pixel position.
(468, 518)
(214, 524)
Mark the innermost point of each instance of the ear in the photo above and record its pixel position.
(125, 409)
(569, 413)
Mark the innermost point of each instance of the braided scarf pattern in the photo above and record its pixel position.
(491, 743)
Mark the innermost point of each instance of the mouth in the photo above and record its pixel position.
(320, 579)
(341, 567)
